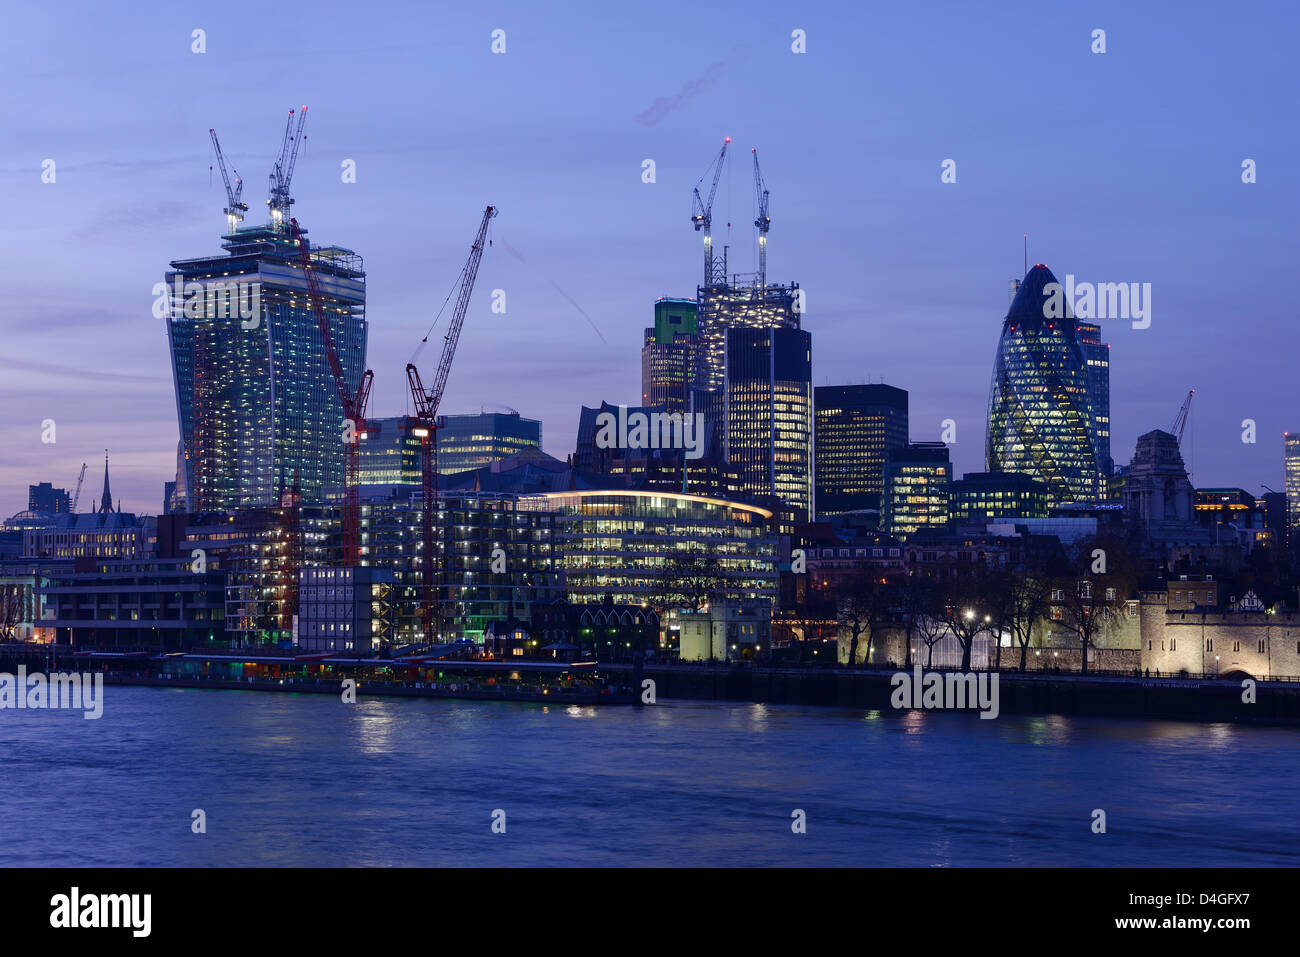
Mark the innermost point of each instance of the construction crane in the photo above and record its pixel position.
(702, 219)
(354, 407)
(427, 402)
(235, 209)
(764, 221)
(76, 496)
(282, 172)
(1180, 420)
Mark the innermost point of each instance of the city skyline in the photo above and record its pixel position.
(1129, 202)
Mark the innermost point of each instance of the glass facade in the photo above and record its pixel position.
(1291, 467)
(256, 401)
(983, 496)
(856, 425)
(1097, 355)
(473, 441)
(916, 482)
(389, 453)
(665, 359)
(769, 413)
(1041, 419)
(628, 543)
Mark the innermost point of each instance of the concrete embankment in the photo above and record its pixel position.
(1107, 696)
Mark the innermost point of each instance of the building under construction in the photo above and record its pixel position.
(255, 396)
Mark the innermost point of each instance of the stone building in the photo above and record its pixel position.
(1239, 637)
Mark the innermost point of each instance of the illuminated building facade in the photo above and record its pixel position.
(634, 544)
(917, 479)
(473, 441)
(769, 414)
(1097, 356)
(667, 354)
(389, 452)
(979, 497)
(255, 398)
(1291, 475)
(92, 535)
(1041, 420)
(345, 610)
(494, 558)
(856, 425)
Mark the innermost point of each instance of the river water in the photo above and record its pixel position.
(307, 780)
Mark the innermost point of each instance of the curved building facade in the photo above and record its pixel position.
(1041, 420)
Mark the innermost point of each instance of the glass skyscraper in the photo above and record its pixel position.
(1097, 354)
(665, 359)
(1041, 418)
(255, 399)
(769, 413)
(473, 441)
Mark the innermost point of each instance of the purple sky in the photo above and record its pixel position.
(1121, 167)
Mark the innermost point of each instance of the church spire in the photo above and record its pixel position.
(106, 501)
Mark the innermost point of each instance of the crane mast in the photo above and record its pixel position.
(235, 209)
(715, 273)
(763, 222)
(76, 496)
(353, 405)
(282, 173)
(1180, 420)
(427, 403)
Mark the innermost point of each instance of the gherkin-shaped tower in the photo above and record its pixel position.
(1041, 420)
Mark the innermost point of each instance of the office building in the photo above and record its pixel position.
(472, 441)
(389, 452)
(1097, 356)
(981, 497)
(916, 481)
(48, 500)
(1291, 476)
(1041, 420)
(667, 354)
(769, 414)
(856, 425)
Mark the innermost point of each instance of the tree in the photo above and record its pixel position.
(694, 578)
(11, 610)
(867, 607)
(968, 611)
(922, 613)
(1091, 592)
(1021, 599)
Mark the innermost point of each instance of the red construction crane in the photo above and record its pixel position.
(427, 402)
(354, 407)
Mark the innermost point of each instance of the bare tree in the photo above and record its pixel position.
(1090, 593)
(1020, 600)
(868, 605)
(11, 610)
(968, 611)
(693, 579)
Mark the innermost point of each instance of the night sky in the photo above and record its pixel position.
(1122, 167)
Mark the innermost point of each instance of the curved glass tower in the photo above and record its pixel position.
(1041, 420)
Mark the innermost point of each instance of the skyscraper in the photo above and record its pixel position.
(855, 426)
(1041, 419)
(1291, 475)
(255, 397)
(1097, 355)
(768, 411)
(665, 358)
